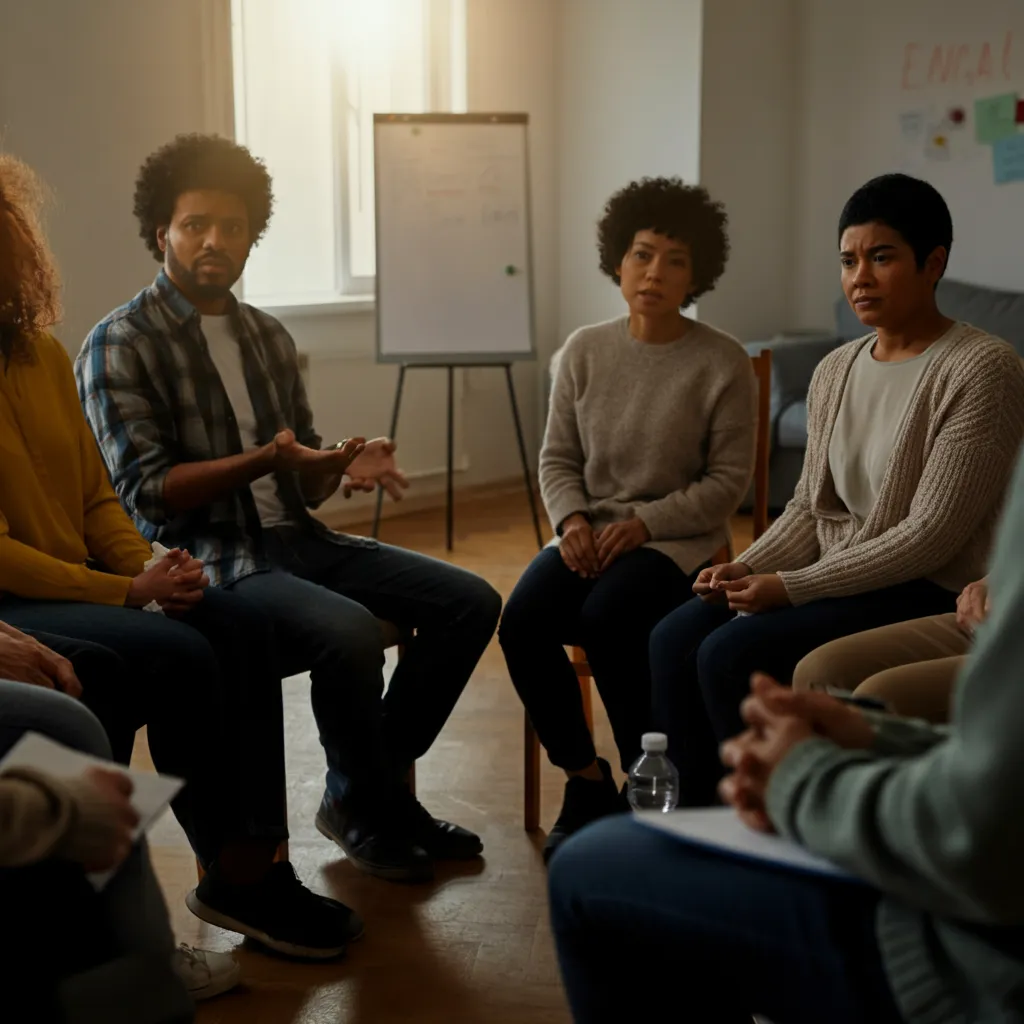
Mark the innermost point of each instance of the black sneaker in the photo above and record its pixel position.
(378, 848)
(279, 912)
(585, 801)
(441, 839)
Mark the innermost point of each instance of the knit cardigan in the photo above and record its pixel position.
(943, 488)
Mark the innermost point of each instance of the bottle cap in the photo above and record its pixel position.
(654, 742)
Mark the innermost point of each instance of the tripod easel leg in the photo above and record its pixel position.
(391, 435)
(522, 454)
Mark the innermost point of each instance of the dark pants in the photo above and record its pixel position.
(325, 599)
(208, 687)
(642, 921)
(112, 960)
(611, 619)
(702, 657)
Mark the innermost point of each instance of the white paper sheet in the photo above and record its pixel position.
(150, 796)
(721, 829)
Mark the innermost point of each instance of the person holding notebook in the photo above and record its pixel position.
(926, 818)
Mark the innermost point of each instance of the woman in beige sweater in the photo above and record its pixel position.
(912, 435)
(648, 451)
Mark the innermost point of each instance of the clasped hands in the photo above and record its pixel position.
(366, 463)
(734, 584)
(588, 552)
(176, 582)
(777, 720)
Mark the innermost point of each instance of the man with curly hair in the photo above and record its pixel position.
(649, 449)
(201, 414)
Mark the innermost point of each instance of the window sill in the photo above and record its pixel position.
(315, 307)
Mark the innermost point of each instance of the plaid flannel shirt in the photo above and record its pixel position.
(154, 398)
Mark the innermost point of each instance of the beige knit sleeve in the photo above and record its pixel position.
(36, 813)
(964, 478)
(560, 468)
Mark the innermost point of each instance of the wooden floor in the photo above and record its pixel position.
(473, 946)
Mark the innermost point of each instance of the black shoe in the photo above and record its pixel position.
(380, 849)
(279, 912)
(585, 801)
(441, 839)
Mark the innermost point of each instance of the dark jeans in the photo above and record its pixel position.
(112, 962)
(325, 598)
(702, 657)
(208, 687)
(611, 619)
(641, 918)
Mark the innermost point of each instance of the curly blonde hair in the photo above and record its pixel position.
(29, 283)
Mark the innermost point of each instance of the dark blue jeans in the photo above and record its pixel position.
(325, 599)
(702, 657)
(611, 618)
(208, 687)
(642, 920)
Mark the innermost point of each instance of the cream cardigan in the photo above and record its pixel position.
(942, 492)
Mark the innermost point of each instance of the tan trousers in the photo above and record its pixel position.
(910, 665)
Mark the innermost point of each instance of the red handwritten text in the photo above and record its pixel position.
(958, 63)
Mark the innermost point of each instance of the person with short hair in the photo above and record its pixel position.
(912, 435)
(648, 451)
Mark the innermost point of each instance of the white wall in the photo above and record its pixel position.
(748, 122)
(86, 92)
(859, 73)
(629, 106)
(511, 67)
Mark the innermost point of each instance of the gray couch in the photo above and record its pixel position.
(794, 359)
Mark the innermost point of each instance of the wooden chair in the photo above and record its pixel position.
(762, 365)
(392, 636)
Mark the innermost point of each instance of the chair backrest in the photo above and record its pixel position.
(762, 364)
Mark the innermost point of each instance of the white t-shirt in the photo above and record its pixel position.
(227, 357)
(872, 410)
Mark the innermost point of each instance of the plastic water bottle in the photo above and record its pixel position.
(653, 780)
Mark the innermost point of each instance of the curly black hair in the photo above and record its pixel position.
(665, 205)
(195, 162)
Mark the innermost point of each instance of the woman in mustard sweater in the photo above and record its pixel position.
(203, 675)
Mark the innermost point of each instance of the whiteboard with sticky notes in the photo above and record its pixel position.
(454, 277)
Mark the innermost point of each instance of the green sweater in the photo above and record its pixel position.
(933, 818)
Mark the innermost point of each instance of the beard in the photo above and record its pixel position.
(189, 276)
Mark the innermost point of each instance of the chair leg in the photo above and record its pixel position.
(588, 702)
(531, 776)
(583, 673)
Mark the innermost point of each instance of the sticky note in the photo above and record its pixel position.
(1008, 159)
(912, 125)
(995, 117)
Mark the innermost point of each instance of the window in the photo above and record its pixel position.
(309, 76)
